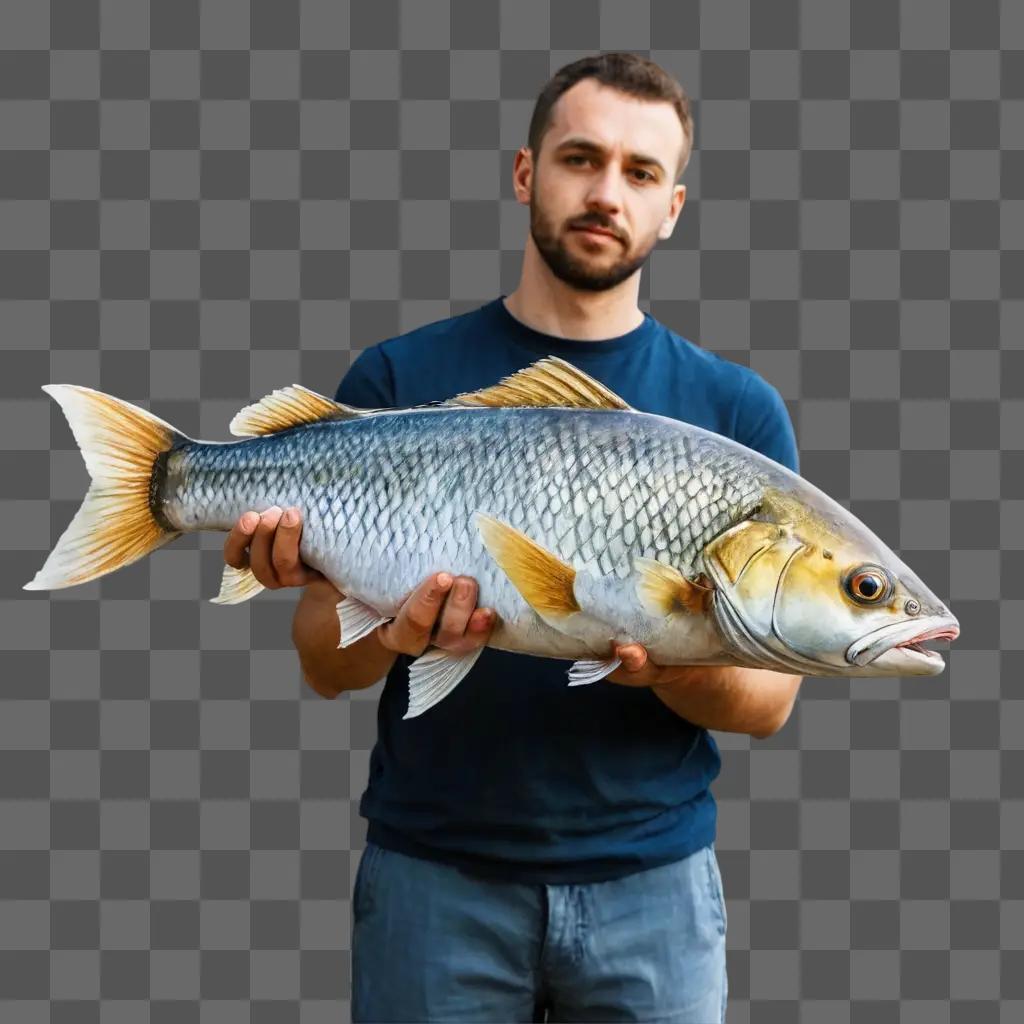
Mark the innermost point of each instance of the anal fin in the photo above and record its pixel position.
(356, 620)
(236, 586)
(433, 675)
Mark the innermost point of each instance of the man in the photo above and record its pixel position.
(534, 847)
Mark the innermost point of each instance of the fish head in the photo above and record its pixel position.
(803, 586)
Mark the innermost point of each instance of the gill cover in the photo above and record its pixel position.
(781, 577)
(749, 562)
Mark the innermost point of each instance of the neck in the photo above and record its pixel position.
(547, 304)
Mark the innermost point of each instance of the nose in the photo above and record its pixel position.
(605, 192)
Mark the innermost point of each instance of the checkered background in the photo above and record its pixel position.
(200, 202)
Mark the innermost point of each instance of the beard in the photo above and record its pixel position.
(585, 274)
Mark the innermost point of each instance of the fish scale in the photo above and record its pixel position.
(407, 484)
(757, 566)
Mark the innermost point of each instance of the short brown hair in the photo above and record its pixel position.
(629, 73)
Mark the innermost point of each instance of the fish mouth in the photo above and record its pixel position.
(900, 647)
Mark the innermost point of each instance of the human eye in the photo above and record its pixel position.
(640, 170)
(575, 159)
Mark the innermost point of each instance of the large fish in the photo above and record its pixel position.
(584, 521)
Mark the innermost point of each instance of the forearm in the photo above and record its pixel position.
(730, 699)
(328, 669)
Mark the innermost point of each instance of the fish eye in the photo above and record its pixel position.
(868, 584)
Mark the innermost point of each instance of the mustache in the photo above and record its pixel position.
(596, 220)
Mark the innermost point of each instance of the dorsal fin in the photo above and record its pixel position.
(549, 381)
(289, 407)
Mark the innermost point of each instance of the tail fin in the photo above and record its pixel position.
(115, 525)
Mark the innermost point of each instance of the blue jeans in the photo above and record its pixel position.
(431, 942)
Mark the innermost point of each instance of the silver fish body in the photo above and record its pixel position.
(585, 522)
(390, 498)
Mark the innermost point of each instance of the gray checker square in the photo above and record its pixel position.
(201, 200)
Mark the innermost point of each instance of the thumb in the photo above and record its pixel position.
(632, 656)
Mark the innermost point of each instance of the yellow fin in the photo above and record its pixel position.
(550, 381)
(544, 580)
(288, 407)
(115, 525)
(663, 590)
(738, 545)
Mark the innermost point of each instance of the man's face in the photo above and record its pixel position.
(607, 163)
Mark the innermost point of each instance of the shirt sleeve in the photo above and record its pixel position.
(763, 423)
(369, 383)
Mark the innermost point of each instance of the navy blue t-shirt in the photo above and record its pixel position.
(515, 774)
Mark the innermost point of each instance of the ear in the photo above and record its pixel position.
(522, 175)
(675, 208)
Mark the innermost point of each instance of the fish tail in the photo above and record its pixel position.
(117, 523)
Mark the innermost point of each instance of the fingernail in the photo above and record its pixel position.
(291, 517)
(249, 521)
(443, 579)
(271, 510)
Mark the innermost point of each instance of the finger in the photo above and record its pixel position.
(482, 621)
(632, 656)
(456, 612)
(409, 632)
(478, 632)
(259, 549)
(236, 545)
(284, 554)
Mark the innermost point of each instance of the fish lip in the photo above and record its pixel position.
(873, 645)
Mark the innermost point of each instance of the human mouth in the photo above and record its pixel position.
(595, 232)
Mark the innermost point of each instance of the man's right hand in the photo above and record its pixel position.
(440, 612)
(269, 545)
(443, 602)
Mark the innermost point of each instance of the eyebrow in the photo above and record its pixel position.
(592, 147)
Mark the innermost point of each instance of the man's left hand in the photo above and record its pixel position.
(638, 670)
(731, 698)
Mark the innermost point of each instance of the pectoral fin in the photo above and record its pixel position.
(663, 590)
(544, 580)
